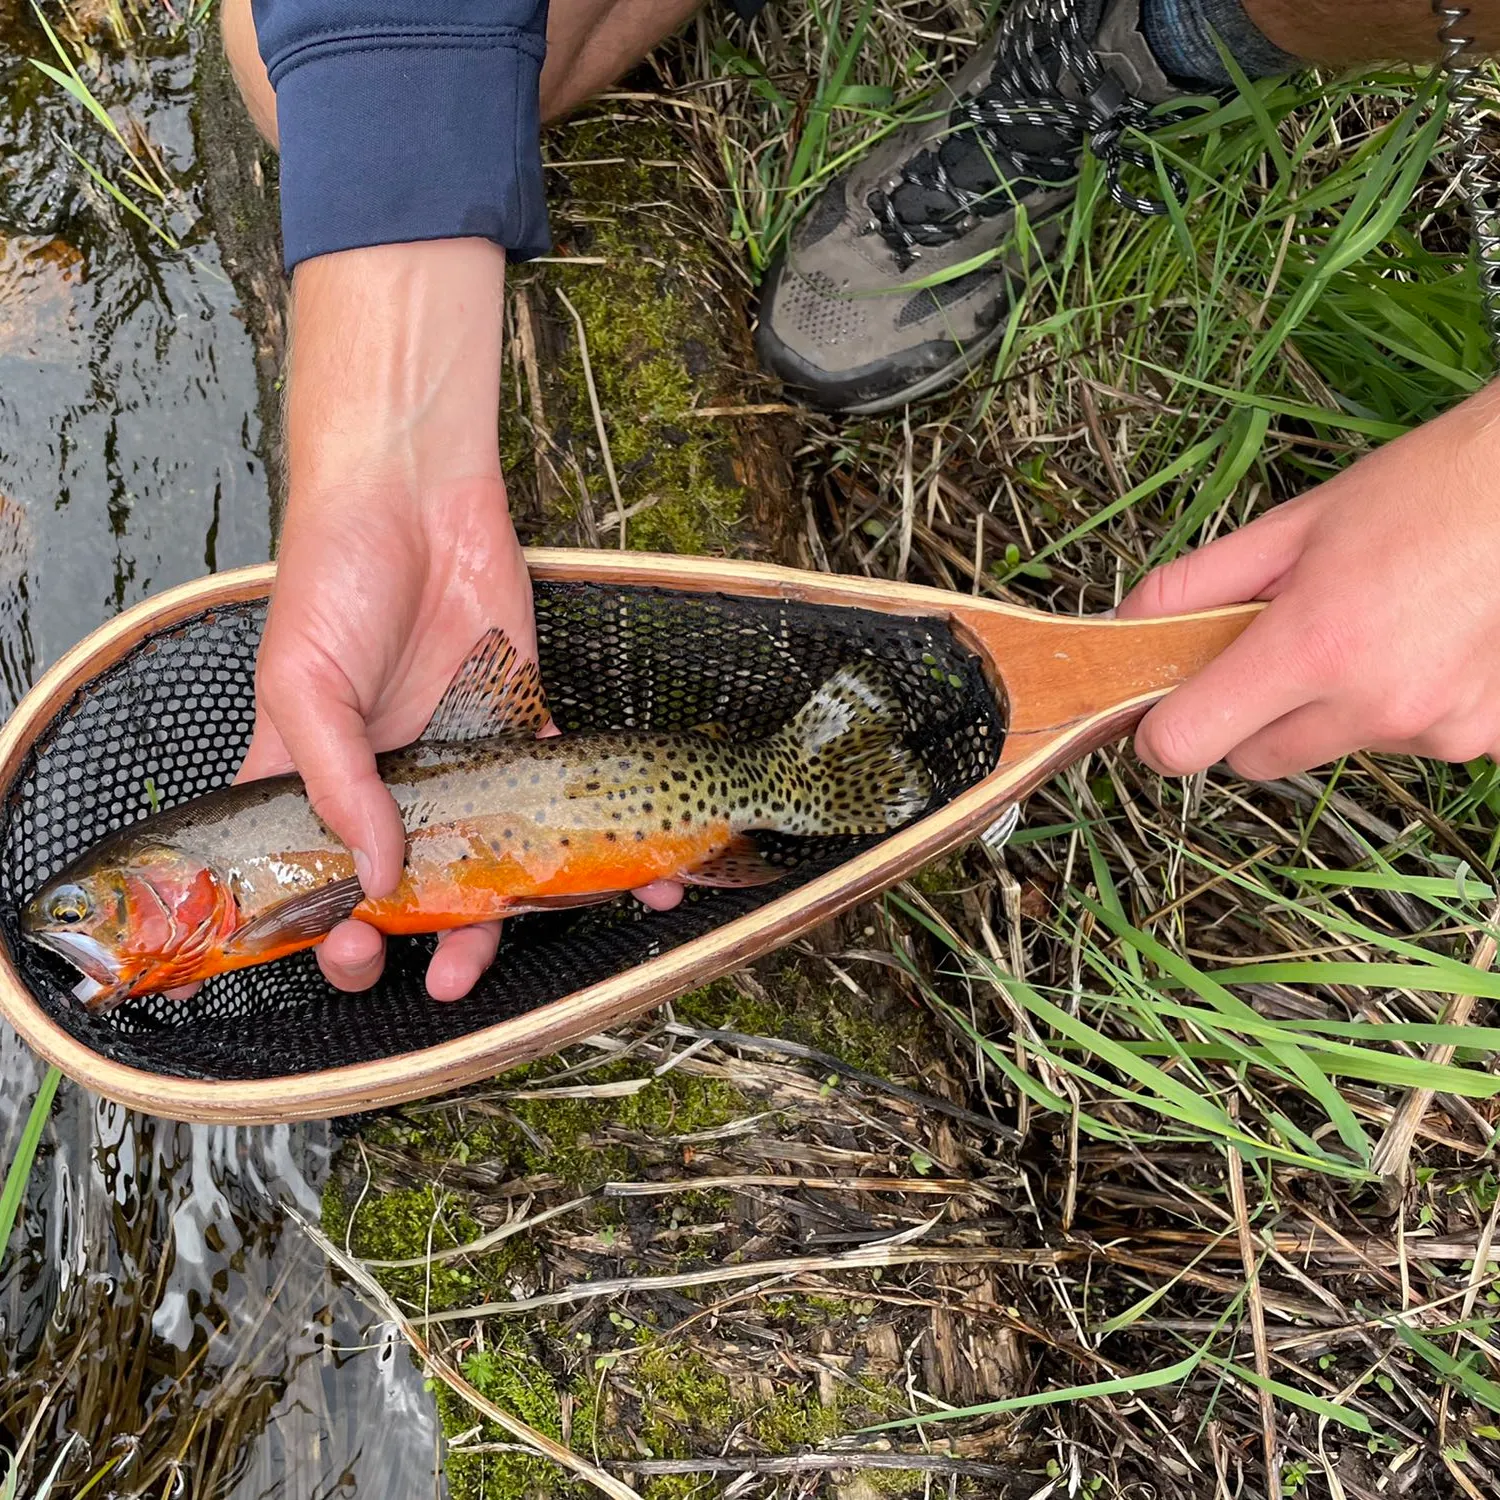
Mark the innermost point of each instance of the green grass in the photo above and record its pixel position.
(1298, 293)
(19, 1169)
(1299, 305)
(136, 172)
(1133, 1037)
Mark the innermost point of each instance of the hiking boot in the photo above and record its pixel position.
(839, 319)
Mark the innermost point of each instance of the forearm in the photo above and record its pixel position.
(395, 367)
(1347, 32)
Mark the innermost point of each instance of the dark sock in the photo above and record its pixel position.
(1181, 35)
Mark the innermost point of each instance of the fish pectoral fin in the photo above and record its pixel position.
(493, 692)
(533, 904)
(300, 919)
(740, 863)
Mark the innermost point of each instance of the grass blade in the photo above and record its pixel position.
(20, 1165)
(1125, 1385)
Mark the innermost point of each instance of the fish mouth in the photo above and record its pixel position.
(102, 986)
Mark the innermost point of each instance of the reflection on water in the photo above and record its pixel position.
(153, 1307)
(200, 1344)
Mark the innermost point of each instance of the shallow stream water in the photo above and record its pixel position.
(159, 1318)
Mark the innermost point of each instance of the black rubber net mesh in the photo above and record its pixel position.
(173, 719)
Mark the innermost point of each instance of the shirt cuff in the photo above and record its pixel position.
(386, 140)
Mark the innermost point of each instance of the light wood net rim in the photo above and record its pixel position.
(1069, 686)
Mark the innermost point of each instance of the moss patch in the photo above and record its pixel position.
(403, 1225)
(681, 1405)
(666, 1401)
(583, 1141)
(884, 1037)
(511, 1373)
(663, 341)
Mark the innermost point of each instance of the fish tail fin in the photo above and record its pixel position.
(842, 764)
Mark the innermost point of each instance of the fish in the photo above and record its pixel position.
(499, 823)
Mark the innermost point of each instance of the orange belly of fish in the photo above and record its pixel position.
(446, 887)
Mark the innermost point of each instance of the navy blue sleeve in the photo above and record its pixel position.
(407, 120)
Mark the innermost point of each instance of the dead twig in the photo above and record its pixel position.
(588, 379)
(1257, 1310)
(1392, 1155)
(822, 1463)
(863, 1259)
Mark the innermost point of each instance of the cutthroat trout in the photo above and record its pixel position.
(498, 823)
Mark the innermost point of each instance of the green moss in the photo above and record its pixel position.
(561, 1135)
(566, 1138)
(883, 1038)
(403, 1225)
(688, 1407)
(942, 878)
(656, 337)
(684, 1401)
(638, 320)
(512, 1375)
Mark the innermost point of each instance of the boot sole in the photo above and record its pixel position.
(780, 360)
(931, 384)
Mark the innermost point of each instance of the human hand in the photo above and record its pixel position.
(397, 553)
(1385, 607)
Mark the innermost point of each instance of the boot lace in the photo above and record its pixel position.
(1040, 40)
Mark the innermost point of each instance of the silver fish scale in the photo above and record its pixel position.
(646, 783)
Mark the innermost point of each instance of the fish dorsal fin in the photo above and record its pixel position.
(493, 692)
(713, 730)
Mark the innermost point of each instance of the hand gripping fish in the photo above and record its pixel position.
(498, 823)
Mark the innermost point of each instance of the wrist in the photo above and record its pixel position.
(394, 376)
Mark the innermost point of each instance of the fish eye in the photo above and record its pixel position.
(70, 904)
